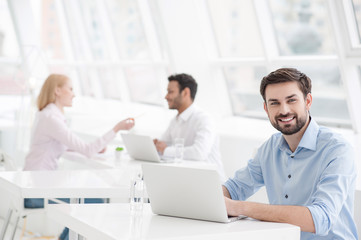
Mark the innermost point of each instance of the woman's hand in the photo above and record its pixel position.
(126, 124)
(103, 150)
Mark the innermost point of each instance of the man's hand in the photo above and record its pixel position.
(296, 215)
(160, 145)
(230, 204)
(234, 208)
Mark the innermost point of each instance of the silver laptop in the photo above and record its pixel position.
(142, 148)
(186, 192)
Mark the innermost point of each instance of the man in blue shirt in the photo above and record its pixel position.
(308, 170)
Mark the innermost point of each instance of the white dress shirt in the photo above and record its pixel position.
(51, 137)
(200, 141)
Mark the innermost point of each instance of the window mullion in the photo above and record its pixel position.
(264, 20)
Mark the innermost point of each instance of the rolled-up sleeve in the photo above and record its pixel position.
(335, 187)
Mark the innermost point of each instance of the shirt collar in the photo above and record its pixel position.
(186, 113)
(308, 140)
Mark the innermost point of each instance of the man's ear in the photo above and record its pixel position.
(308, 101)
(186, 92)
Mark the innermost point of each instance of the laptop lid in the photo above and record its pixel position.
(185, 192)
(141, 147)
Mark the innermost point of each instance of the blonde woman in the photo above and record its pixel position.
(51, 136)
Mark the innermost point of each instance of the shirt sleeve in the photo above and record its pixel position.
(337, 182)
(59, 131)
(202, 144)
(246, 181)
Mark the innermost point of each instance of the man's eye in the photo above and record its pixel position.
(274, 103)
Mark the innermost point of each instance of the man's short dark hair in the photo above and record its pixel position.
(286, 75)
(185, 81)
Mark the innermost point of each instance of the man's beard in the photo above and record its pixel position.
(288, 129)
(176, 103)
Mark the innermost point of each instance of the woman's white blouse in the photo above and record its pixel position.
(51, 137)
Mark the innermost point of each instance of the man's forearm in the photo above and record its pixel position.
(296, 215)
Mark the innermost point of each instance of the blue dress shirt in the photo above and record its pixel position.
(320, 174)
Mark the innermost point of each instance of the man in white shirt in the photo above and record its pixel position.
(192, 124)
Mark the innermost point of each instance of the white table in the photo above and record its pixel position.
(116, 221)
(90, 183)
(74, 184)
(104, 183)
(112, 183)
(107, 161)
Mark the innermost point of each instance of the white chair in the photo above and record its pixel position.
(16, 210)
(7, 164)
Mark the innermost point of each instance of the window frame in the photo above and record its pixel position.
(272, 59)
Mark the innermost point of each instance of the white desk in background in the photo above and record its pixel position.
(107, 161)
(99, 161)
(105, 183)
(90, 183)
(113, 183)
(115, 221)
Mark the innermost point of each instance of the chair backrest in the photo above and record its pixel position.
(6, 161)
(357, 210)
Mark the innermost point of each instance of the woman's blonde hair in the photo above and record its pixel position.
(47, 92)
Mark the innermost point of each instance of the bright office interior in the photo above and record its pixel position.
(119, 54)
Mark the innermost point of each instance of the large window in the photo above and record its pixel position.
(294, 34)
(49, 27)
(234, 25)
(9, 54)
(8, 42)
(128, 29)
(98, 43)
(302, 27)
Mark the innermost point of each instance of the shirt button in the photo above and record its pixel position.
(292, 156)
(286, 196)
(289, 176)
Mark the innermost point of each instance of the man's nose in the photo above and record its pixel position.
(284, 109)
